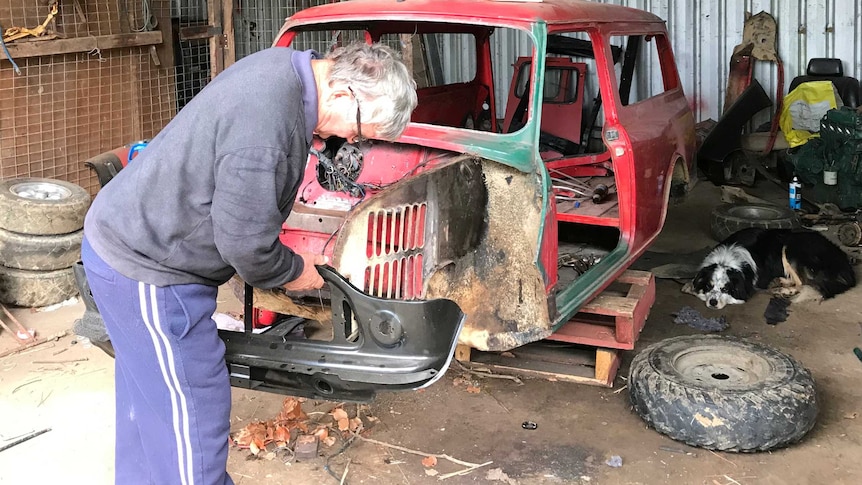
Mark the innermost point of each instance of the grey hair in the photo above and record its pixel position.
(377, 75)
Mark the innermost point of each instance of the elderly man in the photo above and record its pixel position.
(204, 200)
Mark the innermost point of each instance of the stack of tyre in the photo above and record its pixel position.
(41, 228)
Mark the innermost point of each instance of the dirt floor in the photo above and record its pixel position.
(67, 386)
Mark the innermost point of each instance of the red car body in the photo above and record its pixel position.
(392, 240)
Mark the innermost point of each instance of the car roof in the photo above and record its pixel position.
(506, 11)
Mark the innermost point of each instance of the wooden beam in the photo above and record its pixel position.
(165, 50)
(196, 32)
(52, 47)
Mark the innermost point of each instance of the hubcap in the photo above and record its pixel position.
(40, 191)
(716, 367)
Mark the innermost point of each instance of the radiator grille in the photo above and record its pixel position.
(396, 240)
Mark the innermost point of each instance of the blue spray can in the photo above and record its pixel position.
(795, 195)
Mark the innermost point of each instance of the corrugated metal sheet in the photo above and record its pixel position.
(257, 21)
(703, 35)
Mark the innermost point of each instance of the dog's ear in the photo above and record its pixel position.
(741, 284)
(701, 279)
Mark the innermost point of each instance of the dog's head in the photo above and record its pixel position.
(727, 276)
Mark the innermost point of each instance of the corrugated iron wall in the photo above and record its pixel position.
(257, 21)
(703, 35)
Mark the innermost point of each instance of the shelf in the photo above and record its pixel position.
(36, 48)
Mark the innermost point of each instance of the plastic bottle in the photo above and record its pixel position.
(795, 195)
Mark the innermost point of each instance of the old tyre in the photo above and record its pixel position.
(729, 218)
(42, 206)
(36, 288)
(722, 393)
(39, 253)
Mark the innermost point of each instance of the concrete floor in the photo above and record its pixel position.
(68, 387)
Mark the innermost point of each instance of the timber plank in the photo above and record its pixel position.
(36, 48)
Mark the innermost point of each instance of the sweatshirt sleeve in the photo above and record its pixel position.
(247, 219)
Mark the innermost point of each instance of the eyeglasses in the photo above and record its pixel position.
(359, 138)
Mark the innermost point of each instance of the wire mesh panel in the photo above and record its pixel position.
(257, 21)
(80, 92)
(192, 54)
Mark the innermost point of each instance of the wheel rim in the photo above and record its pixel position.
(40, 191)
(717, 368)
(755, 212)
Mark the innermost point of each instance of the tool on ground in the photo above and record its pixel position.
(600, 193)
(23, 335)
(24, 438)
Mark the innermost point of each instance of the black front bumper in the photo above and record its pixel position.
(391, 345)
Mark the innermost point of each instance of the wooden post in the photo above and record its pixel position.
(407, 51)
(462, 353)
(216, 42)
(604, 365)
(229, 39)
(137, 121)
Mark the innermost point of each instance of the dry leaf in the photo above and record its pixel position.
(343, 424)
(338, 414)
(329, 441)
(254, 447)
(281, 434)
(473, 390)
(431, 472)
(252, 431)
(291, 410)
(355, 423)
(322, 433)
(372, 419)
(429, 461)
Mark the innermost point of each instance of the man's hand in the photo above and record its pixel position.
(310, 279)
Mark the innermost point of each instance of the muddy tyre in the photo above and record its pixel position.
(727, 219)
(39, 253)
(722, 393)
(42, 206)
(36, 288)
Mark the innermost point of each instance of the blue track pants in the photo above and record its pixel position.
(172, 386)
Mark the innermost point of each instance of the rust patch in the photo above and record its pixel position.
(498, 286)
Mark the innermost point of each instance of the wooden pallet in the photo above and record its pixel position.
(587, 348)
(558, 361)
(615, 318)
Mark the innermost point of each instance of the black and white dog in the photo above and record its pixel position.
(754, 259)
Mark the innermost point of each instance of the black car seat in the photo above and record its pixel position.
(106, 165)
(829, 69)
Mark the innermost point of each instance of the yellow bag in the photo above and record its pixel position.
(803, 109)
